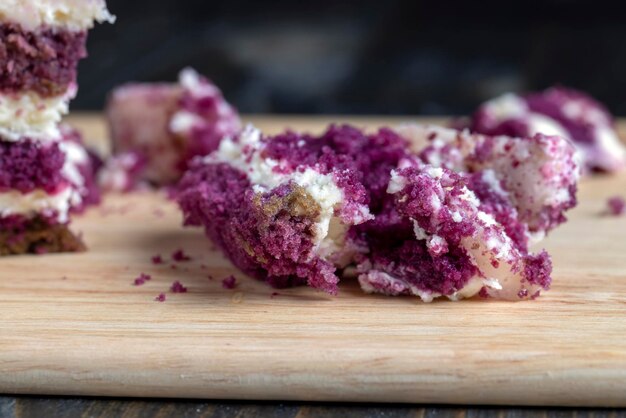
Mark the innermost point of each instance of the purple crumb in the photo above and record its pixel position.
(177, 287)
(142, 279)
(616, 206)
(160, 298)
(229, 283)
(275, 294)
(157, 259)
(180, 256)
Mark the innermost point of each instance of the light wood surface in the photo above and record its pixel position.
(75, 324)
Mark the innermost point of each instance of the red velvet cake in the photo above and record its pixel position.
(157, 128)
(454, 219)
(45, 172)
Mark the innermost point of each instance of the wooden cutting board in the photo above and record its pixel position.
(75, 324)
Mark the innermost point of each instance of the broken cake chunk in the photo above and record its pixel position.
(165, 125)
(281, 207)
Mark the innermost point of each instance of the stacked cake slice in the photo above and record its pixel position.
(45, 172)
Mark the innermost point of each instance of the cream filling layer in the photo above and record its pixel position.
(74, 15)
(30, 115)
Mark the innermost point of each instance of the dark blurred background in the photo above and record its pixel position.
(367, 57)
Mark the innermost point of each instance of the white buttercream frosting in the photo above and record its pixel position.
(29, 115)
(74, 15)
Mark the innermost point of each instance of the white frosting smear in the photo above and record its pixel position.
(30, 115)
(74, 15)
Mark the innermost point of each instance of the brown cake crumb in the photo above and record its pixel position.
(37, 236)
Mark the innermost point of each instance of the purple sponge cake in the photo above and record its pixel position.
(464, 213)
(41, 184)
(164, 126)
(281, 207)
(556, 111)
(41, 42)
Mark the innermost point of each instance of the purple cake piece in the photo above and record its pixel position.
(556, 111)
(281, 207)
(166, 125)
(44, 61)
(538, 175)
(451, 246)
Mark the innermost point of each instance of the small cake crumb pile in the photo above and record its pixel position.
(180, 256)
(160, 298)
(142, 279)
(157, 259)
(177, 287)
(616, 206)
(229, 283)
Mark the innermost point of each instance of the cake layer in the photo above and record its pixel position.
(38, 235)
(28, 165)
(74, 15)
(44, 62)
(167, 125)
(53, 178)
(29, 115)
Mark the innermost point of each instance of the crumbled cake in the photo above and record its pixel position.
(556, 111)
(165, 125)
(453, 218)
(452, 245)
(281, 207)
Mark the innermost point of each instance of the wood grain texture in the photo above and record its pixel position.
(75, 325)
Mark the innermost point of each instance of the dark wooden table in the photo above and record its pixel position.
(51, 407)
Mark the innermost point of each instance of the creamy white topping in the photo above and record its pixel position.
(74, 15)
(39, 202)
(30, 115)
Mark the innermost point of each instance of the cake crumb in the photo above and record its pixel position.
(177, 287)
(160, 298)
(180, 256)
(157, 259)
(142, 279)
(273, 295)
(616, 206)
(229, 283)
